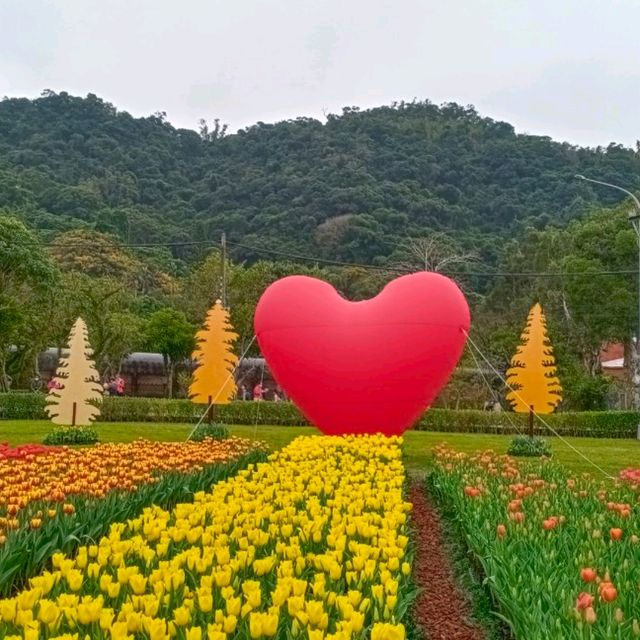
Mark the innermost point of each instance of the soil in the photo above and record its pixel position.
(442, 610)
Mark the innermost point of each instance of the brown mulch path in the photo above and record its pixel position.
(441, 609)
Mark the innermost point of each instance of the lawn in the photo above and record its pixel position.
(611, 455)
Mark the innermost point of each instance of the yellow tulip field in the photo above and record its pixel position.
(312, 544)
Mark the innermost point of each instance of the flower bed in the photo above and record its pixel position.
(96, 471)
(313, 544)
(55, 501)
(560, 553)
(21, 452)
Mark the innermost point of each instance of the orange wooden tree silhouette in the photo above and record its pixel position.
(532, 375)
(73, 401)
(213, 378)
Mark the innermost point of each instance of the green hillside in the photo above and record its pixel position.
(349, 189)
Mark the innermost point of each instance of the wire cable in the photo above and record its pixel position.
(259, 402)
(537, 415)
(213, 400)
(341, 263)
(492, 391)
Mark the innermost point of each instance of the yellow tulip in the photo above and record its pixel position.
(357, 621)
(106, 619)
(215, 634)
(181, 616)
(205, 602)
(317, 615)
(386, 631)
(113, 590)
(74, 580)
(233, 606)
(89, 612)
(156, 628)
(255, 625)
(48, 611)
(229, 624)
(119, 631)
(31, 633)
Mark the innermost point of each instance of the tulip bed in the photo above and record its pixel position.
(312, 544)
(561, 554)
(53, 498)
(54, 473)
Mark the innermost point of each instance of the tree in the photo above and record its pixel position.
(106, 305)
(435, 252)
(100, 255)
(351, 189)
(217, 132)
(534, 385)
(26, 277)
(202, 287)
(73, 401)
(123, 332)
(169, 332)
(213, 378)
(247, 284)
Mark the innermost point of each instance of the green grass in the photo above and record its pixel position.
(611, 455)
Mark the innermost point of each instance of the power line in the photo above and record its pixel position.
(491, 274)
(296, 256)
(548, 274)
(341, 263)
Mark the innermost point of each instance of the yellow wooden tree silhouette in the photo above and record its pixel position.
(73, 400)
(532, 375)
(215, 360)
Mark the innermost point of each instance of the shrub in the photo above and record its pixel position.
(72, 435)
(213, 431)
(597, 424)
(22, 406)
(529, 447)
(130, 409)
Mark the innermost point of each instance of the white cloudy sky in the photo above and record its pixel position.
(565, 68)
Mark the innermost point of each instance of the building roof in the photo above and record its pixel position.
(612, 355)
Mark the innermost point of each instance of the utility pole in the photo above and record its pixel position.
(634, 219)
(223, 255)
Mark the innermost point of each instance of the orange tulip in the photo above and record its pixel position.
(608, 593)
(615, 534)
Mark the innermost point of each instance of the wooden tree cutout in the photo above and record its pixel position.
(213, 378)
(73, 399)
(532, 375)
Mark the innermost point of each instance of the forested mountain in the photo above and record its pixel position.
(349, 189)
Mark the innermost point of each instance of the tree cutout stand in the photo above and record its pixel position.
(77, 391)
(213, 381)
(534, 386)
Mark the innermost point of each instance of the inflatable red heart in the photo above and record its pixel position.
(362, 367)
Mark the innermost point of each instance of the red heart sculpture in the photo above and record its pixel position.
(362, 367)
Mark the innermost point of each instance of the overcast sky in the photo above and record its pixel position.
(569, 69)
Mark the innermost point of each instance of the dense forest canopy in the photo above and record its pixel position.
(386, 191)
(350, 189)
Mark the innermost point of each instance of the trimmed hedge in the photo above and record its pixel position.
(22, 406)
(596, 424)
(590, 424)
(19, 406)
